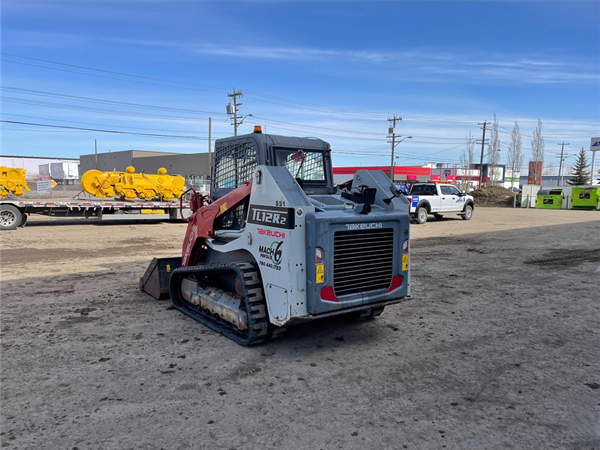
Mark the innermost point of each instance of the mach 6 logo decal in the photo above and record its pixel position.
(272, 253)
(272, 216)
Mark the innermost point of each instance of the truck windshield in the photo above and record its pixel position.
(304, 164)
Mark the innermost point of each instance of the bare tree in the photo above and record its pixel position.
(471, 149)
(550, 169)
(467, 157)
(493, 150)
(537, 150)
(515, 156)
(465, 167)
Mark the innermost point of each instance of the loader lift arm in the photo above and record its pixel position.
(207, 219)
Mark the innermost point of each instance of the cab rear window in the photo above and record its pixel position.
(423, 190)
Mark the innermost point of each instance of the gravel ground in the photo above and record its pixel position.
(500, 348)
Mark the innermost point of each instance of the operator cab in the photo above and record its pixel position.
(307, 159)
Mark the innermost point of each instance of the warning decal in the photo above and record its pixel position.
(321, 273)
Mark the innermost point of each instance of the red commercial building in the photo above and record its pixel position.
(401, 173)
(410, 174)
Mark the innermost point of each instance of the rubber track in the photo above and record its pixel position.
(254, 299)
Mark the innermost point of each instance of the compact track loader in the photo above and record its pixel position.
(277, 243)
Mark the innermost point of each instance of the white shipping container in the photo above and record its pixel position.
(64, 171)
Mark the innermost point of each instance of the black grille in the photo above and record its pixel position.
(362, 260)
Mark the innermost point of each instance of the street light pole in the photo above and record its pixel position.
(392, 166)
(392, 131)
(485, 124)
(562, 150)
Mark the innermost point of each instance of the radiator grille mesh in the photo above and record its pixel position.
(362, 260)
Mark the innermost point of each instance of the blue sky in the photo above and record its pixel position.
(335, 70)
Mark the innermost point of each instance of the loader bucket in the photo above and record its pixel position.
(156, 279)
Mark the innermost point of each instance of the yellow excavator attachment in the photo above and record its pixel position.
(12, 180)
(130, 185)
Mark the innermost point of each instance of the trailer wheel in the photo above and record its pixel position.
(10, 217)
(421, 215)
(468, 213)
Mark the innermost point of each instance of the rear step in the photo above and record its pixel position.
(158, 274)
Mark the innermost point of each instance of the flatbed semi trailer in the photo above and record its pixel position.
(14, 213)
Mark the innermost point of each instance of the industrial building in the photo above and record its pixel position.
(184, 164)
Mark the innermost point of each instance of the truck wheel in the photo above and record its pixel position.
(421, 215)
(438, 216)
(468, 213)
(10, 217)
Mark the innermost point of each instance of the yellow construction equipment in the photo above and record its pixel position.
(130, 185)
(12, 180)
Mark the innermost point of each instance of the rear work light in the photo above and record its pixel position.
(318, 255)
(405, 246)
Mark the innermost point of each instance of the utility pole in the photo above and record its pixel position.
(392, 131)
(594, 147)
(209, 146)
(562, 151)
(96, 152)
(485, 124)
(233, 109)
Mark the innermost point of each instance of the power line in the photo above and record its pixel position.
(165, 108)
(100, 100)
(98, 110)
(103, 131)
(217, 88)
(99, 124)
(252, 94)
(138, 105)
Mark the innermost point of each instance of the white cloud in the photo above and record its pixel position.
(414, 64)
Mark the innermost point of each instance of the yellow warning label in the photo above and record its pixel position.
(223, 208)
(405, 265)
(168, 267)
(321, 273)
(404, 258)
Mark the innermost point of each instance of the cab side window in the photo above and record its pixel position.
(445, 190)
(453, 190)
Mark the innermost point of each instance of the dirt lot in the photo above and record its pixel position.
(499, 349)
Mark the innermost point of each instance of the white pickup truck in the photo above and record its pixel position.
(438, 199)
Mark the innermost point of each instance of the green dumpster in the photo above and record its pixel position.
(549, 199)
(586, 197)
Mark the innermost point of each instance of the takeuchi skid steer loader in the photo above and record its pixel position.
(278, 244)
